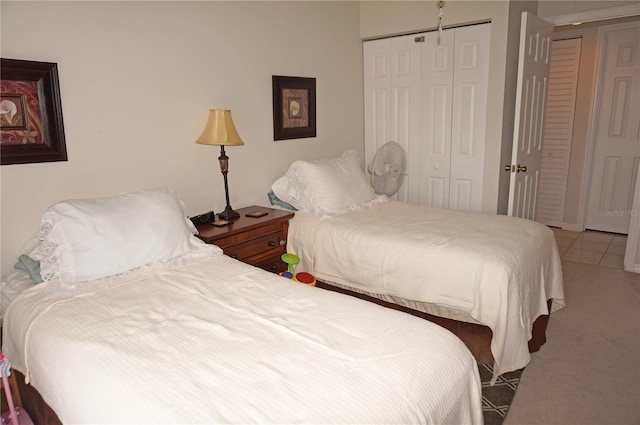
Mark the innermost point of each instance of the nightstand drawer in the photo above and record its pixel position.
(256, 246)
(250, 235)
(272, 264)
(257, 241)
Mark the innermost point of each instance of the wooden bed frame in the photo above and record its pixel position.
(476, 337)
(32, 402)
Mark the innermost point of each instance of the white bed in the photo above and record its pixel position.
(201, 338)
(486, 269)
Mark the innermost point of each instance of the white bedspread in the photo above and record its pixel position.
(217, 341)
(501, 270)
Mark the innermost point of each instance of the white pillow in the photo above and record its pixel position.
(325, 187)
(86, 239)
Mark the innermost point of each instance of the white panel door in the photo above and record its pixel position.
(617, 144)
(533, 74)
(558, 130)
(428, 92)
(377, 95)
(455, 75)
(437, 57)
(391, 94)
(469, 116)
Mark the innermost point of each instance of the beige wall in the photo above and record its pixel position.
(137, 80)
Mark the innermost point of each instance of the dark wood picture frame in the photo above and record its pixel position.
(294, 107)
(31, 128)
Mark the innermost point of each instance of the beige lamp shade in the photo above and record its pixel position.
(220, 130)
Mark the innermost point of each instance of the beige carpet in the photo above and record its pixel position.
(588, 372)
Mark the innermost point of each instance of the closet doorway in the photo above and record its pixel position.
(567, 181)
(428, 92)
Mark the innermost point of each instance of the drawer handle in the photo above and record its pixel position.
(274, 267)
(234, 256)
(272, 244)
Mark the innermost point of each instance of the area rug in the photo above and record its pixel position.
(497, 398)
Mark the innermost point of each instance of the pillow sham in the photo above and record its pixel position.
(327, 186)
(86, 239)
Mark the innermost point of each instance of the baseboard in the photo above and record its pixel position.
(635, 268)
(572, 227)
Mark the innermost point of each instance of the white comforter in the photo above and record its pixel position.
(217, 341)
(501, 270)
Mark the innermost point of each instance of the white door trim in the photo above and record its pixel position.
(594, 15)
(633, 239)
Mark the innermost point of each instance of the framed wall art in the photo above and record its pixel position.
(31, 127)
(294, 107)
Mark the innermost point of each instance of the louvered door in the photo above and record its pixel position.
(558, 130)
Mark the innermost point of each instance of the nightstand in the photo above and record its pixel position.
(256, 241)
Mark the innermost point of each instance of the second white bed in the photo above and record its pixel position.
(495, 270)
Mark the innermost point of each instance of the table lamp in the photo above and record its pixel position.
(220, 131)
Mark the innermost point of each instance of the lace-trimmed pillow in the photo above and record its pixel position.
(86, 239)
(326, 187)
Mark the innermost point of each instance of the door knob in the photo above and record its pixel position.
(515, 168)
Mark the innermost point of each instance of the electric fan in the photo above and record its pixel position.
(388, 169)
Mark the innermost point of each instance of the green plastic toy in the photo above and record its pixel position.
(291, 260)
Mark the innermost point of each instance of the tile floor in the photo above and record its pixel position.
(605, 249)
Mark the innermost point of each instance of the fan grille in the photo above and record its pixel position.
(388, 169)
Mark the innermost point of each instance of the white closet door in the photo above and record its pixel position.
(437, 57)
(455, 75)
(428, 92)
(391, 95)
(469, 117)
(558, 130)
(617, 145)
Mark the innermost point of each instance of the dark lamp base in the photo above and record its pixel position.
(228, 214)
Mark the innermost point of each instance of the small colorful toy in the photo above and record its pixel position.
(302, 277)
(291, 260)
(306, 278)
(15, 415)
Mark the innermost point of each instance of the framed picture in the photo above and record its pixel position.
(294, 107)
(31, 128)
